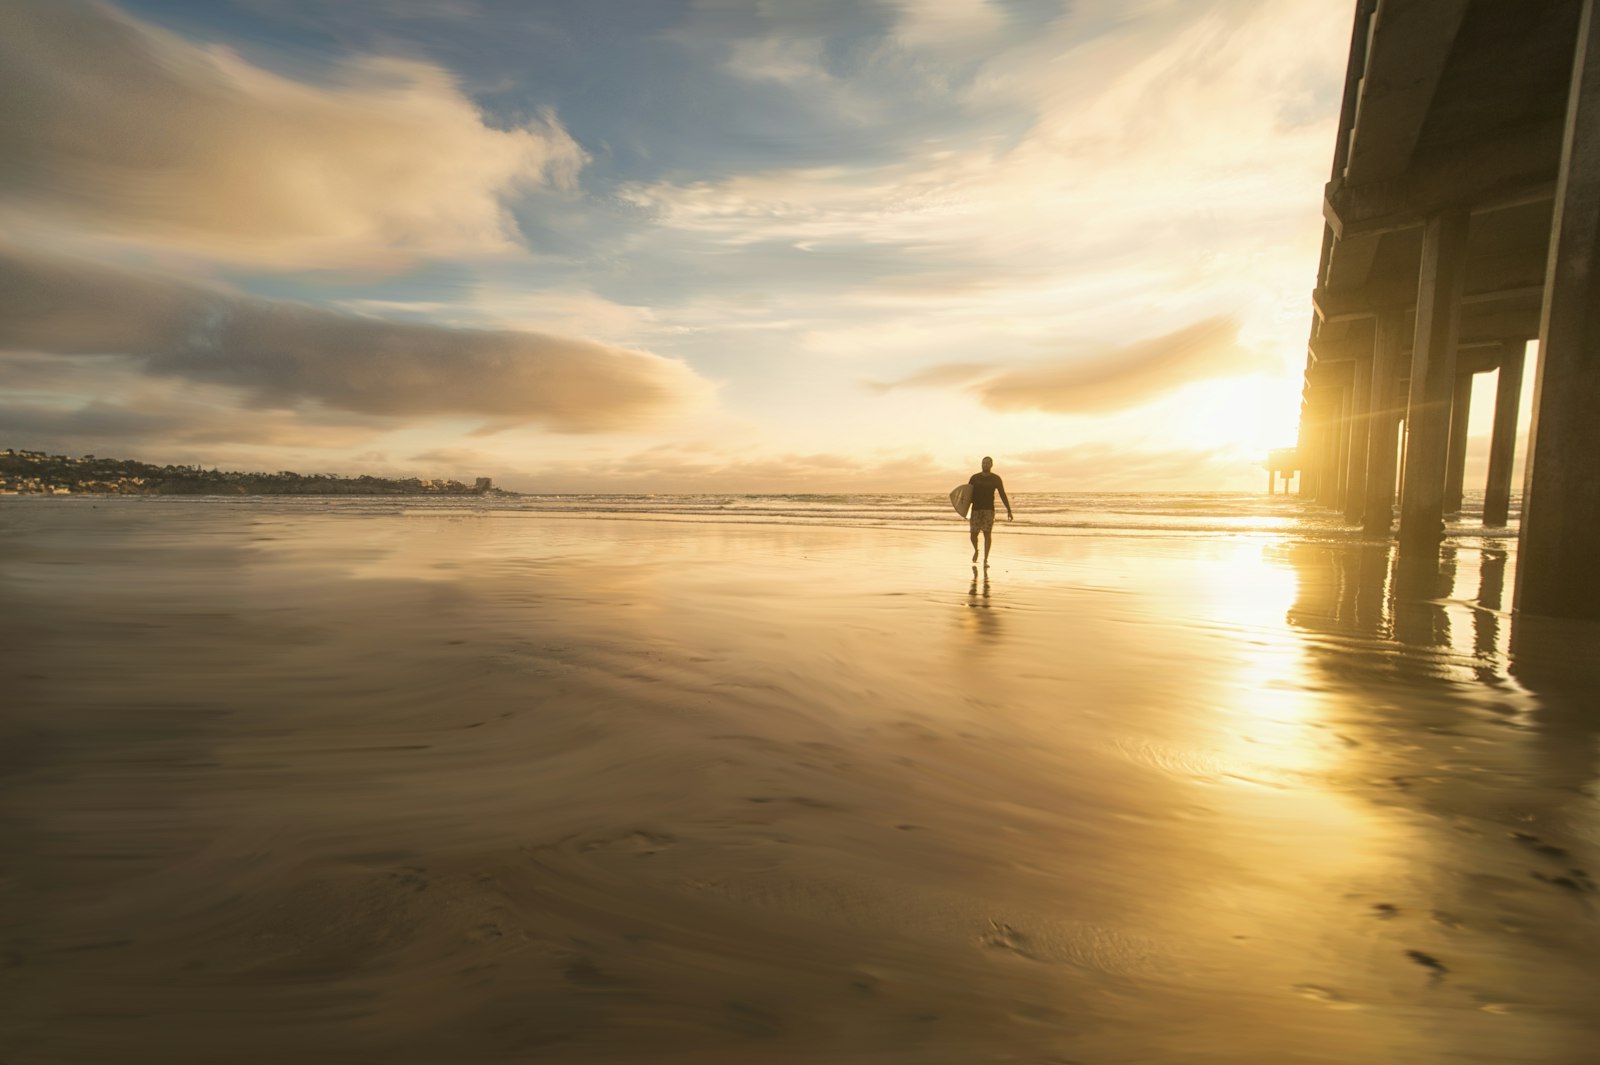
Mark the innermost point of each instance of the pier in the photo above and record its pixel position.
(1462, 222)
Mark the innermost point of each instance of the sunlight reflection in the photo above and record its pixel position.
(1265, 729)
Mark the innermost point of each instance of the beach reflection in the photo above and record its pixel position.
(1434, 643)
(1479, 728)
(1557, 662)
(1486, 618)
(657, 791)
(981, 619)
(1420, 588)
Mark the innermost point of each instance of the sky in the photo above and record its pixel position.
(676, 246)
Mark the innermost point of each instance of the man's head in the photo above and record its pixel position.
(987, 463)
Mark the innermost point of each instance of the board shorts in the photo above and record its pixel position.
(981, 520)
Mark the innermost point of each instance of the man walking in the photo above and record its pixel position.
(981, 518)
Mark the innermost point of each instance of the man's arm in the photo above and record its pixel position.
(1002, 487)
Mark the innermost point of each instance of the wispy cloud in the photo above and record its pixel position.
(113, 125)
(1105, 380)
(281, 354)
(165, 423)
(1106, 466)
(1125, 376)
(77, 403)
(673, 468)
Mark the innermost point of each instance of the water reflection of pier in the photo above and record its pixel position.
(1434, 645)
(1463, 221)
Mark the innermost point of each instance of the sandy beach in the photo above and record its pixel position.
(284, 782)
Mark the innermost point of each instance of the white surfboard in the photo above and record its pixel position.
(961, 499)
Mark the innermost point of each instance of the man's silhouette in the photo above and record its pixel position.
(981, 518)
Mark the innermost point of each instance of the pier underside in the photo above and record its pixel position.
(1462, 222)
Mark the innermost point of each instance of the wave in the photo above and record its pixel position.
(1063, 513)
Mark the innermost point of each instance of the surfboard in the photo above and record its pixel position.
(961, 499)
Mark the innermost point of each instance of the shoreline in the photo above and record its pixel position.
(1304, 523)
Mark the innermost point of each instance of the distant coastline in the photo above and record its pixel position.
(38, 473)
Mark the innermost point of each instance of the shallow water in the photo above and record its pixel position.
(357, 781)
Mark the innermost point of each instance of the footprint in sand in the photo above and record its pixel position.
(1002, 936)
(412, 877)
(1429, 962)
(1576, 880)
(643, 844)
(1325, 995)
(751, 1020)
(1534, 843)
(584, 972)
(797, 800)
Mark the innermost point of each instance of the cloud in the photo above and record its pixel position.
(282, 354)
(112, 125)
(166, 422)
(1102, 467)
(71, 403)
(1126, 376)
(456, 458)
(1100, 165)
(1112, 380)
(945, 375)
(948, 25)
(690, 468)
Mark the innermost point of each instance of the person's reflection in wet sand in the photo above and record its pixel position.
(982, 620)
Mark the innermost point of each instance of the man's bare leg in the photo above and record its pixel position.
(988, 538)
(974, 545)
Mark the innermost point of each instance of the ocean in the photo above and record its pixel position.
(1049, 513)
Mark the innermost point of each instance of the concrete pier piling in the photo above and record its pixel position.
(1560, 573)
(1433, 376)
(1462, 221)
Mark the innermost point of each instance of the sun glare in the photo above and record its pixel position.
(1244, 414)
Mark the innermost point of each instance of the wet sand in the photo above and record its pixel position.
(285, 783)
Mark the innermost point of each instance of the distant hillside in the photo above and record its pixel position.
(36, 473)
